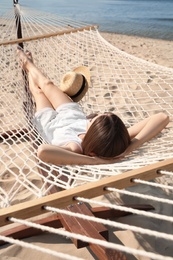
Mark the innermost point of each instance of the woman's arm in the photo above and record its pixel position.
(139, 133)
(146, 130)
(59, 156)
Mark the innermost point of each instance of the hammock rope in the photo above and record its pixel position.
(100, 242)
(121, 83)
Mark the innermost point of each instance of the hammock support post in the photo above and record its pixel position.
(18, 22)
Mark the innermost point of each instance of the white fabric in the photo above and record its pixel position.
(63, 125)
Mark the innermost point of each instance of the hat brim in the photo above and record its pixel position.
(86, 73)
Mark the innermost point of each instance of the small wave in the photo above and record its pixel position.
(166, 19)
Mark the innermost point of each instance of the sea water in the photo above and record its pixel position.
(147, 18)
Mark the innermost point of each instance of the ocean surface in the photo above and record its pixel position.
(146, 18)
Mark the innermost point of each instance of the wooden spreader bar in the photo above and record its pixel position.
(79, 225)
(90, 190)
(48, 35)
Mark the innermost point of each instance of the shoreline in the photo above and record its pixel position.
(157, 51)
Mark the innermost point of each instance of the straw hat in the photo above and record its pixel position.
(76, 82)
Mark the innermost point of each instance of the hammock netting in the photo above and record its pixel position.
(120, 83)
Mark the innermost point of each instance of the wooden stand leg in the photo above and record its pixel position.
(90, 229)
(22, 231)
(76, 225)
(106, 212)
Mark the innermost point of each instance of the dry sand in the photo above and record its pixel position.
(153, 50)
(157, 51)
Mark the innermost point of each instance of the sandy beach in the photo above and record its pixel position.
(156, 51)
(153, 50)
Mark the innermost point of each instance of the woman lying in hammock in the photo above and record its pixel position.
(71, 137)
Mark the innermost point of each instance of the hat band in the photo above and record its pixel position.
(81, 89)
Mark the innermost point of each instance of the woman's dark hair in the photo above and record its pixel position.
(106, 137)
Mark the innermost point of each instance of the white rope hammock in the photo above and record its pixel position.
(120, 83)
(128, 86)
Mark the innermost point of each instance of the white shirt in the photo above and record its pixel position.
(63, 125)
